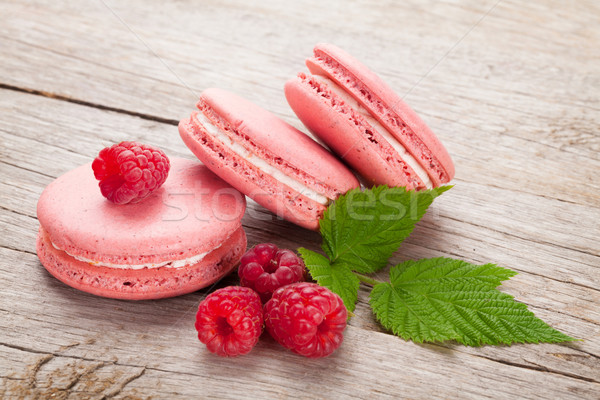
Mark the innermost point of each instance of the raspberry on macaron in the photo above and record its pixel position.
(129, 171)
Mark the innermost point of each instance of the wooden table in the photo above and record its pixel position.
(512, 89)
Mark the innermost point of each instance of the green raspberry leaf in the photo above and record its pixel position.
(338, 278)
(429, 273)
(442, 299)
(362, 229)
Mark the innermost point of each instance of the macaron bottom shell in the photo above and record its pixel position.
(141, 284)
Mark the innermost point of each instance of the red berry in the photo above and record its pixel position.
(229, 321)
(129, 171)
(306, 318)
(265, 268)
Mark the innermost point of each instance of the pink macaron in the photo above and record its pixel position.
(265, 158)
(183, 237)
(366, 123)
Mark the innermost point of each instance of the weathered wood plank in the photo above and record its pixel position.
(500, 224)
(539, 286)
(100, 378)
(141, 336)
(500, 90)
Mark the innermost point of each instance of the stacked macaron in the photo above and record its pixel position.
(354, 112)
(365, 122)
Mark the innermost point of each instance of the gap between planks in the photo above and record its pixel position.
(88, 104)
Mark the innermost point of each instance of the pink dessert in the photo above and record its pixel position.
(183, 237)
(270, 161)
(366, 123)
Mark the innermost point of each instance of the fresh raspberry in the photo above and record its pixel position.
(306, 318)
(129, 171)
(265, 268)
(229, 321)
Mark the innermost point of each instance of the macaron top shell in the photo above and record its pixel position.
(278, 143)
(386, 106)
(192, 213)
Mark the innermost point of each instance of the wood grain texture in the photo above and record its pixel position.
(511, 89)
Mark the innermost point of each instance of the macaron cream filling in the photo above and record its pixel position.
(168, 264)
(258, 162)
(398, 147)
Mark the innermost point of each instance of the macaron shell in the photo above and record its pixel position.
(141, 284)
(279, 143)
(348, 138)
(386, 106)
(264, 189)
(193, 212)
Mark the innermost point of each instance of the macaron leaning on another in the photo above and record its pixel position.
(366, 123)
(270, 161)
(182, 237)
